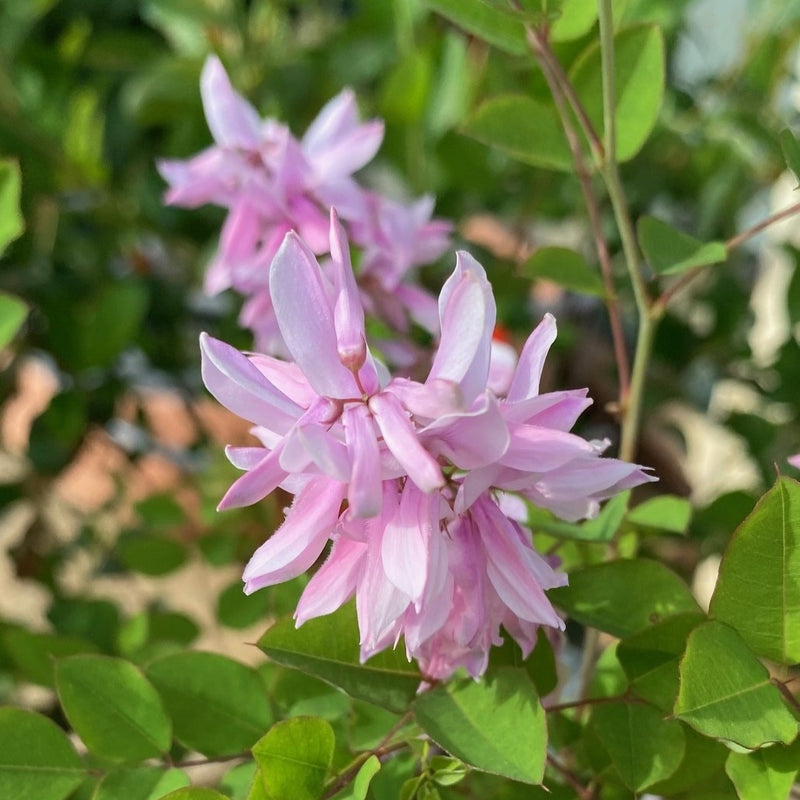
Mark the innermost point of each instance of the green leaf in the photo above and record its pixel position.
(151, 554)
(576, 20)
(194, 793)
(764, 774)
(486, 22)
(624, 597)
(13, 312)
(522, 127)
(11, 222)
(140, 783)
(37, 761)
(405, 94)
(639, 82)
(496, 725)
(113, 707)
(643, 746)
(294, 758)
(34, 654)
(791, 151)
(218, 706)
(239, 610)
(726, 693)
(665, 512)
(566, 268)
(671, 252)
(758, 589)
(650, 658)
(359, 788)
(327, 648)
(600, 529)
(540, 664)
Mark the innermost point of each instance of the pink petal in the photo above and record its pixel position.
(365, 493)
(306, 321)
(470, 440)
(531, 360)
(407, 543)
(297, 544)
(232, 120)
(348, 313)
(334, 582)
(467, 313)
(241, 388)
(256, 484)
(401, 439)
(538, 450)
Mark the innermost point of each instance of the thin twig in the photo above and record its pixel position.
(666, 296)
(570, 777)
(345, 777)
(540, 47)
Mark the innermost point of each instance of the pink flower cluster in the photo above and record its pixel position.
(272, 183)
(416, 485)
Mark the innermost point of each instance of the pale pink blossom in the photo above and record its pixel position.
(407, 480)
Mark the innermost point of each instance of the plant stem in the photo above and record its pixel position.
(631, 410)
(540, 47)
(570, 777)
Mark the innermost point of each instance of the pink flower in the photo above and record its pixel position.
(270, 182)
(794, 461)
(407, 480)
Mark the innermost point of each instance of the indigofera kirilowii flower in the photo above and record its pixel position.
(408, 480)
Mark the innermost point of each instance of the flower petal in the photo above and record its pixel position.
(297, 544)
(531, 361)
(232, 120)
(467, 313)
(401, 439)
(305, 317)
(256, 483)
(241, 388)
(334, 582)
(365, 492)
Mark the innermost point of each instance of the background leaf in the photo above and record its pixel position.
(496, 724)
(113, 707)
(671, 252)
(643, 746)
(765, 773)
(639, 81)
(11, 222)
(13, 312)
(140, 783)
(524, 128)
(665, 512)
(566, 268)
(484, 21)
(218, 706)
(37, 761)
(791, 151)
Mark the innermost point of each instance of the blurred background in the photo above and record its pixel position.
(111, 459)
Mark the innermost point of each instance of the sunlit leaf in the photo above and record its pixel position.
(726, 693)
(113, 707)
(496, 725)
(294, 758)
(765, 773)
(665, 512)
(327, 648)
(758, 589)
(217, 705)
(13, 312)
(624, 597)
(11, 222)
